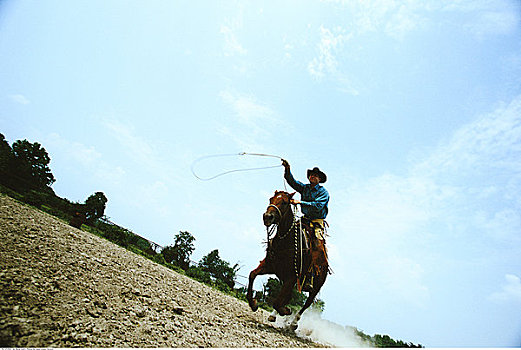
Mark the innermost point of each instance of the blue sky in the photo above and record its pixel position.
(412, 108)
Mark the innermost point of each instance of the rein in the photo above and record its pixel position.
(296, 229)
(274, 226)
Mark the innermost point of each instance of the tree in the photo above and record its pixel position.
(385, 341)
(26, 165)
(219, 269)
(179, 253)
(318, 305)
(272, 289)
(6, 154)
(199, 275)
(95, 207)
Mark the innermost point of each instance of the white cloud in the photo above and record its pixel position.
(20, 99)
(231, 43)
(87, 156)
(396, 19)
(229, 30)
(502, 226)
(492, 142)
(326, 61)
(139, 149)
(110, 174)
(479, 170)
(495, 23)
(253, 122)
(468, 188)
(248, 111)
(125, 134)
(84, 157)
(405, 20)
(510, 290)
(486, 17)
(288, 49)
(391, 17)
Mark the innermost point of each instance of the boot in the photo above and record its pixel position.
(317, 262)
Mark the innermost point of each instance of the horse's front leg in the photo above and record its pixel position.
(260, 270)
(284, 297)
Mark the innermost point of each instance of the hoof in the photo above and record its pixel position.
(253, 305)
(284, 311)
(273, 316)
(294, 324)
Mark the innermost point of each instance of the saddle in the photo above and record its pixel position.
(314, 230)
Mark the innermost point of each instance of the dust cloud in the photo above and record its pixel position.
(315, 328)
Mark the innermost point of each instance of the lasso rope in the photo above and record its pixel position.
(234, 170)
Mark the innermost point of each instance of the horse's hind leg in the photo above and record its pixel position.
(260, 270)
(321, 278)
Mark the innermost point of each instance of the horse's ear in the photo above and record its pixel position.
(291, 195)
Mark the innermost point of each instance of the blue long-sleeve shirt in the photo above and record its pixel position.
(313, 201)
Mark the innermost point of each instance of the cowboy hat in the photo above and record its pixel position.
(320, 174)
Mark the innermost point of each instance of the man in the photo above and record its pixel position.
(313, 203)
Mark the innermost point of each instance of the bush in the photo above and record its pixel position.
(115, 234)
(11, 193)
(160, 259)
(219, 284)
(175, 268)
(34, 198)
(199, 275)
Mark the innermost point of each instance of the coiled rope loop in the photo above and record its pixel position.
(234, 170)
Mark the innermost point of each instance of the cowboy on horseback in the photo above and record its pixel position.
(313, 203)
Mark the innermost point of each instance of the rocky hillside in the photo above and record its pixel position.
(62, 287)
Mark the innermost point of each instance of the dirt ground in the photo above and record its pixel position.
(63, 287)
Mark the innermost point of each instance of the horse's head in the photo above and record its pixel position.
(278, 208)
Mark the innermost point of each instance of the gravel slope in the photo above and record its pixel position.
(62, 287)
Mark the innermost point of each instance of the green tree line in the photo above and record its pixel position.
(385, 341)
(26, 176)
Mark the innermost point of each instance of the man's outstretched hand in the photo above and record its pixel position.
(285, 164)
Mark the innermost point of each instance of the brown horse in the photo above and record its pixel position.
(284, 258)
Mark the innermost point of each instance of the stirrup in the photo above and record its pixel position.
(308, 284)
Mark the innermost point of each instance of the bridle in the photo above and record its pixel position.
(270, 230)
(278, 210)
